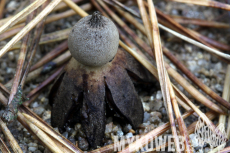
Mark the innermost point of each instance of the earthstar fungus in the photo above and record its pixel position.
(99, 77)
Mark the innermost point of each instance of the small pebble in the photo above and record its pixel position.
(155, 120)
(46, 115)
(145, 98)
(109, 128)
(65, 134)
(194, 140)
(127, 127)
(12, 5)
(146, 117)
(158, 114)
(156, 105)
(32, 149)
(39, 110)
(77, 126)
(146, 106)
(83, 144)
(159, 95)
(120, 133)
(129, 135)
(219, 87)
(32, 144)
(11, 56)
(218, 67)
(35, 104)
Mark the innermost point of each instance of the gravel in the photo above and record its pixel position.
(206, 67)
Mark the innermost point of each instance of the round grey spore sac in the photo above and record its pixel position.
(94, 40)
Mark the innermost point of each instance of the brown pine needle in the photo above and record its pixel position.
(191, 128)
(152, 70)
(57, 62)
(44, 138)
(76, 8)
(2, 5)
(47, 130)
(49, 38)
(33, 48)
(162, 73)
(21, 15)
(225, 150)
(31, 113)
(131, 45)
(10, 33)
(10, 138)
(226, 94)
(28, 27)
(3, 89)
(185, 84)
(14, 30)
(46, 82)
(182, 127)
(196, 43)
(171, 23)
(20, 62)
(59, 7)
(3, 147)
(152, 134)
(185, 70)
(207, 3)
(52, 54)
(212, 42)
(204, 23)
